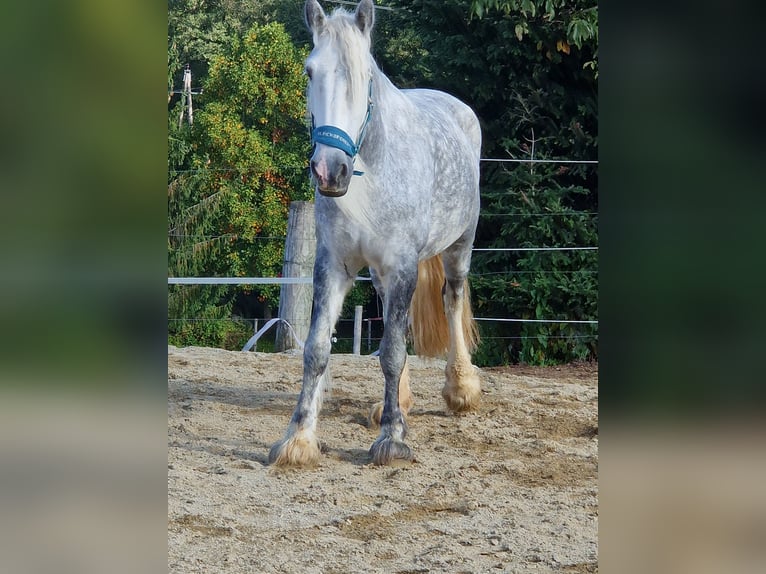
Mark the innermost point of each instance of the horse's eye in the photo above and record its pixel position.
(309, 72)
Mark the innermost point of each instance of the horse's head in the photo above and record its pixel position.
(339, 70)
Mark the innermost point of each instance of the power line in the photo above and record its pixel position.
(513, 272)
(477, 249)
(238, 280)
(232, 235)
(245, 280)
(306, 280)
(377, 6)
(552, 321)
(592, 336)
(513, 160)
(536, 249)
(535, 320)
(493, 160)
(549, 214)
(238, 236)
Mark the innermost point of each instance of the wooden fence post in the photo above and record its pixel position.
(300, 252)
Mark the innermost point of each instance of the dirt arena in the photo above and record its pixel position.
(511, 488)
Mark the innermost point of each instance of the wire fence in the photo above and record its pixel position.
(371, 340)
(375, 324)
(369, 321)
(305, 167)
(372, 330)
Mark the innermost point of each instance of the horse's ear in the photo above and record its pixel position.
(365, 16)
(314, 16)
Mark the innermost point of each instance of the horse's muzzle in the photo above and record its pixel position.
(330, 192)
(332, 170)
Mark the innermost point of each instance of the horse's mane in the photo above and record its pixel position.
(340, 28)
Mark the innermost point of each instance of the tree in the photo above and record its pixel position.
(228, 212)
(529, 70)
(574, 21)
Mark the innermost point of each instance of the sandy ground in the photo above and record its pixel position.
(511, 488)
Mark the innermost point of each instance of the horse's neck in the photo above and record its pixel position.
(389, 97)
(368, 196)
(389, 106)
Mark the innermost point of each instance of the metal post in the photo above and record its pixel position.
(357, 330)
(369, 334)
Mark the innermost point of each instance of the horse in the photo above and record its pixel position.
(401, 198)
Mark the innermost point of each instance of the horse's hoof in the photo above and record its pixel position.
(387, 451)
(462, 396)
(299, 451)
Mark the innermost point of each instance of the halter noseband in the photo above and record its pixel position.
(337, 138)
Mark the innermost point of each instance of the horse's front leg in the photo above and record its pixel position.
(390, 445)
(300, 447)
(406, 399)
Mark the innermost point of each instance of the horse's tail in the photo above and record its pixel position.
(430, 330)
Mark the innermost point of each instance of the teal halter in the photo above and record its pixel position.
(337, 138)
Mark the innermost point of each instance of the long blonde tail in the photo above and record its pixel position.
(430, 328)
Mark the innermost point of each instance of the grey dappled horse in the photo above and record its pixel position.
(397, 181)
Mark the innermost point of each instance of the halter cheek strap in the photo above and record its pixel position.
(337, 138)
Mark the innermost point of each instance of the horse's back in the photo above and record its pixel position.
(446, 108)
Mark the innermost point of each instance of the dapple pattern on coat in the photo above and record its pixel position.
(417, 199)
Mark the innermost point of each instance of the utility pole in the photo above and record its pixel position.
(187, 92)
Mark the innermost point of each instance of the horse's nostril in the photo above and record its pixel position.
(343, 170)
(313, 166)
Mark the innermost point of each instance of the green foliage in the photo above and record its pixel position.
(538, 208)
(575, 22)
(201, 30)
(362, 293)
(528, 68)
(482, 61)
(207, 325)
(246, 157)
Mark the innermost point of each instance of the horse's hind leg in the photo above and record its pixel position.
(405, 395)
(390, 446)
(462, 390)
(300, 446)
